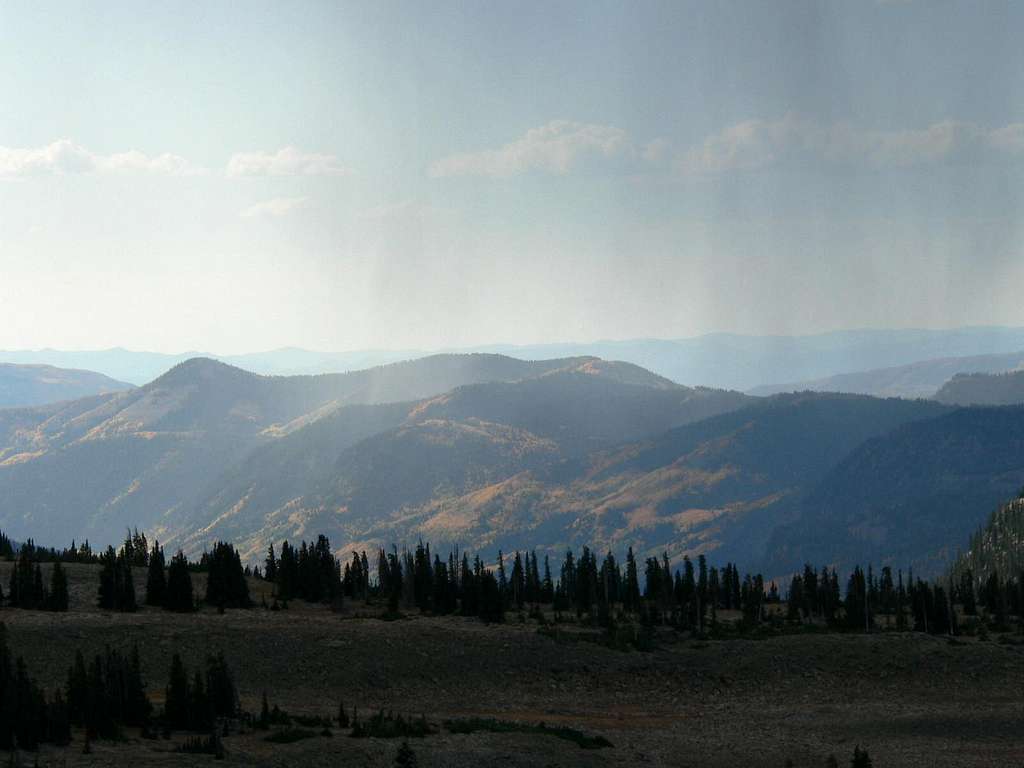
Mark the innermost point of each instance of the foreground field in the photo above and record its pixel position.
(912, 700)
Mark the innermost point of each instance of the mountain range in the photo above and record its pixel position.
(720, 360)
(25, 385)
(919, 379)
(983, 389)
(489, 452)
(97, 465)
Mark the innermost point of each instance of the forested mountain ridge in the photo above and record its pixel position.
(918, 379)
(385, 459)
(983, 389)
(140, 457)
(488, 452)
(33, 385)
(472, 470)
(996, 548)
(911, 497)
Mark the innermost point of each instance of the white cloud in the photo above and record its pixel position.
(66, 157)
(288, 161)
(758, 143)
(134, 161)
(562, 146)
(558, 147)
(276, 208)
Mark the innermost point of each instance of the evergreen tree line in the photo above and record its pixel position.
(134, 545)
(170, 586)
(686, 597)
(309, 572)
(28, 589)
(106, 695)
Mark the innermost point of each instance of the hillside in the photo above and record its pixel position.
(93, 466)
(473, 469)
(909, 498)
(31, 385)
(919, 379)
(983, 389)
(374, 462)
(997, 546)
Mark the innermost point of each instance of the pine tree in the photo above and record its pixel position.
(220, 687)
(156, 578)
(226, 586)
(57, 600)
(264, 721)
(270, 566)
(860, 758)
(405, 758)
(116, 588)
(179, 596)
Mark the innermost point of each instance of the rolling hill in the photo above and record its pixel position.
(94, 466)
(920, 379)
(30, 385)
(386, 458)
(479, 469)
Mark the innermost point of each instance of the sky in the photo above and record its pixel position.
(234, 177)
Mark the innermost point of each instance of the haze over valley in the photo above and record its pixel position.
(568, 384)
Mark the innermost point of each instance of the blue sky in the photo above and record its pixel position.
(233, 177)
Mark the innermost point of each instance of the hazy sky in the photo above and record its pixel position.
(240, 176)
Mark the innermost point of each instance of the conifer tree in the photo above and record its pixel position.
(220, 687)
(270, 566)
(57, 600)
(632, 598)
(860, 758)
(226, 586)
(156, 578)
(179, 596)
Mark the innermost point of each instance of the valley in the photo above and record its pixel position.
(492, 453)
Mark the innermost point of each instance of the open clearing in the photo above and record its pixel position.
(911, 699)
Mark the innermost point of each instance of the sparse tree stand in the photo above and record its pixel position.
(179, 595)
(117, 589)
(860, 758)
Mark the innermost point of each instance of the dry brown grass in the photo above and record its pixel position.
(912, 700)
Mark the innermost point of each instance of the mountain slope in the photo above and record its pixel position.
(97, 465)
(474, 468)
(983, 389)
(909, 498)
(997, 547)
(31, 385)
(450, 444)
(920, 379)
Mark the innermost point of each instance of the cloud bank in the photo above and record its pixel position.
(556, 148)
(288, 161)
(66, 157)
(561, 147)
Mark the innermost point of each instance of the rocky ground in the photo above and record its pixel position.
(911, 700)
